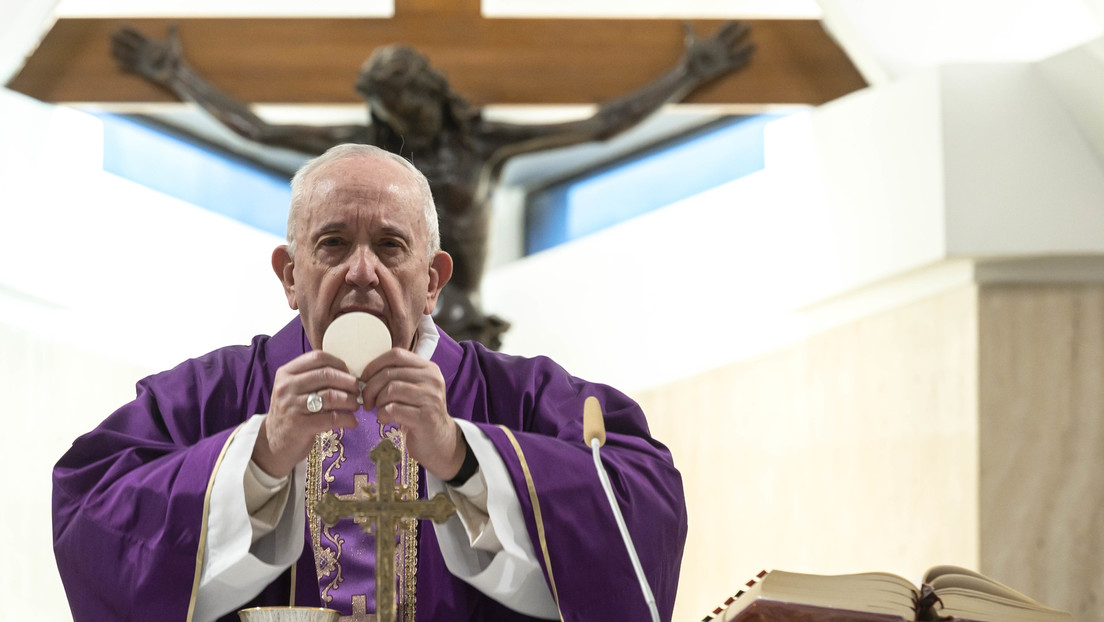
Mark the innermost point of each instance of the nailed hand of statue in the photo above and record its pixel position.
(727, 50)
(153, 60)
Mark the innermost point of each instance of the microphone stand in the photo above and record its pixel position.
(594, 429)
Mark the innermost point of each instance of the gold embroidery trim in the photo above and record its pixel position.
(536, 514)
(406, 555)
(203, 528)
(326, 559)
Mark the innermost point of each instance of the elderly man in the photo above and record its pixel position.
(188, 503)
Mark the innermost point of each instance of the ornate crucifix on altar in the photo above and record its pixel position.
(380, 509)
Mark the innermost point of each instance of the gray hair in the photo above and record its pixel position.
(351, 150)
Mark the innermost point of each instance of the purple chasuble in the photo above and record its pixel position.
(128, 496)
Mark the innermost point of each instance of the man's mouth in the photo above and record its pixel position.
(359, 309)
(362, 309)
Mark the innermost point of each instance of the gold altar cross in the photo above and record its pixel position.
(380, 508)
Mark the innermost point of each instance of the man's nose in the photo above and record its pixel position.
(362, 268)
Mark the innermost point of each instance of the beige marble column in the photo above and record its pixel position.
(1041, 417)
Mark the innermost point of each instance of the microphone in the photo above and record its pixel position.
(594, 433)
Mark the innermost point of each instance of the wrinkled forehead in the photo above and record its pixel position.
(331, 194)
(373, 188)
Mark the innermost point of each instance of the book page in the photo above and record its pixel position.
(943, 577)
(967, 594)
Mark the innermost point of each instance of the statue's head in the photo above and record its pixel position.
(407, 93)
(404, 90)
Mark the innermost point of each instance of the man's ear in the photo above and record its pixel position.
(440, 271)
(283, 266)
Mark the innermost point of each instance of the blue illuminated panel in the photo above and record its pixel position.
(691, 164)
(196, 174)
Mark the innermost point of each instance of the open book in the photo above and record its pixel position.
(947, 593)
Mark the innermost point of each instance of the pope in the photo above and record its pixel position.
(195, 499)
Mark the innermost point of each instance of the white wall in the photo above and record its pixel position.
(101, 282)
(99, 261)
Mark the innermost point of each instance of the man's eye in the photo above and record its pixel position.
(331, 242)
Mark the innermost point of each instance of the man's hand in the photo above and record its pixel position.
(727, 50)
(287, 433)
(409, 392)
(155, 61)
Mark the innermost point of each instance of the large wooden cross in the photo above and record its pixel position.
(487, 60)
(380, 508)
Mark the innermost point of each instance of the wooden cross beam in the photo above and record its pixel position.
(487, 60)
(380, 508)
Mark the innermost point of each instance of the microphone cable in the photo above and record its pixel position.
(594, 433)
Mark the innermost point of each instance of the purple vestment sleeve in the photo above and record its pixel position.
(542, 406)
(128, 497)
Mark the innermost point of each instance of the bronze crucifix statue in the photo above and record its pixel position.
(413, 111)
(380, 509)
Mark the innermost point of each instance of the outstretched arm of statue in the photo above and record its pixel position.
(163, 64)
(705, 60)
